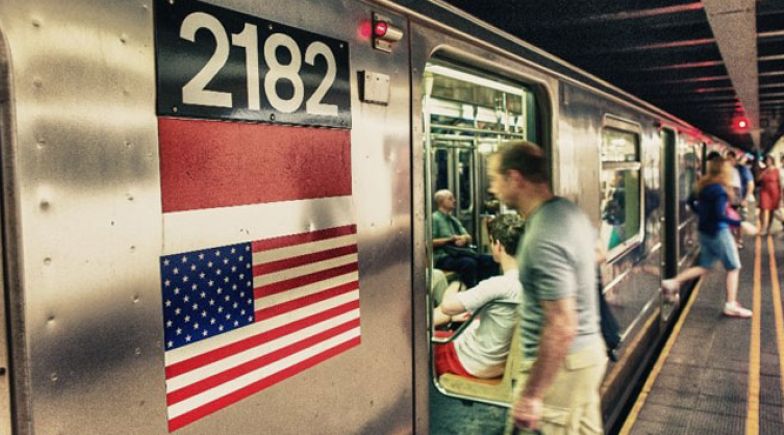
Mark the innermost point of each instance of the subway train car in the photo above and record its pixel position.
(216, 214)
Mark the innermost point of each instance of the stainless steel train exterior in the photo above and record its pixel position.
(84, 229)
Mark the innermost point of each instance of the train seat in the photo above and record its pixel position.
(492, 390)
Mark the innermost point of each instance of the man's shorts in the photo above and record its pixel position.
(446, 359)
(719, 247)
(572, 404)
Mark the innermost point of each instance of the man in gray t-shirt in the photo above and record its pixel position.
(563, 352)
(554, 263)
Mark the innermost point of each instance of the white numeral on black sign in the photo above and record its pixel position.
(314, 104)
(195, 92)
(288, 72)
(250, 41)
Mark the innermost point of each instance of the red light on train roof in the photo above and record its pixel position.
(380, 29)
(741, 124)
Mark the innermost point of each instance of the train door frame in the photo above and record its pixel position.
(435, 40)
(669, 146)
(8, 252)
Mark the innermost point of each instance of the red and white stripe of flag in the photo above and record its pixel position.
(289, 189)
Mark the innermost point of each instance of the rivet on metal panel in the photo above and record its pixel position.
(174, 109)
(40, 142)
(272, 116)
(47, 261)
(37, 82)
(135, 299)
(44, 205)
(133, 248)
(269, 26)
(123, 38)
(341, 45)
(171, 2)
(36, 22)
(50, 319)
(137, 351)
(126, 92)
(129, 196)
(53, 377)
(128, 144)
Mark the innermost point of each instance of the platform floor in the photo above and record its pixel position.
(720, 375)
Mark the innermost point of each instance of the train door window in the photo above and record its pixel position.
(467, 115)
(621, 187)
(466, 187)
(690, 169)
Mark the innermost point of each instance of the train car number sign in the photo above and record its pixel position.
(216, 63)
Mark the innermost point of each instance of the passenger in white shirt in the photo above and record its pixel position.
(481, 350)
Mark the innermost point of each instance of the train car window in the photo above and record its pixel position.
(690, 164)
(621, 191)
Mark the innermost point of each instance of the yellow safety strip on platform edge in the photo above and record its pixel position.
(646, 389)
(777, 311)
(752, 406)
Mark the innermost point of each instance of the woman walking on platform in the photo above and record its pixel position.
(770, 193)
(716, 241)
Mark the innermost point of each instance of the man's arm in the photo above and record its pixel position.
(449, 307)
(558, 332)
(437, 243)
(450, 304)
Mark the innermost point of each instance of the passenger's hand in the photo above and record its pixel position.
(461, 240)
(527, 412)
(462, 317)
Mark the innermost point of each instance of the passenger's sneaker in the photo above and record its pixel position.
(670, 290)
(733, 309)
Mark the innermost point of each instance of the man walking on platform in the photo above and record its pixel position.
(564, 357)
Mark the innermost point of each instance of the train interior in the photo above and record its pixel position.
(467, 114)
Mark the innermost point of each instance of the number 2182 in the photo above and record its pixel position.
(194, 91)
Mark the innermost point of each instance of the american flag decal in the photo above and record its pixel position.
(242, 317)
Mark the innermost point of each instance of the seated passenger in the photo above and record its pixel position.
(451, 244)
(481, 349)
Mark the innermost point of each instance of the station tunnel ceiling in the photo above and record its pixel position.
(708, 62)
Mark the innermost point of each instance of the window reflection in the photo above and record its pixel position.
(621, 191)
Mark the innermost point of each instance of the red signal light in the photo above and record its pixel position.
(380, 29)
(741, 124)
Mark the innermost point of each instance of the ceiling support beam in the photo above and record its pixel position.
(734, 24)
